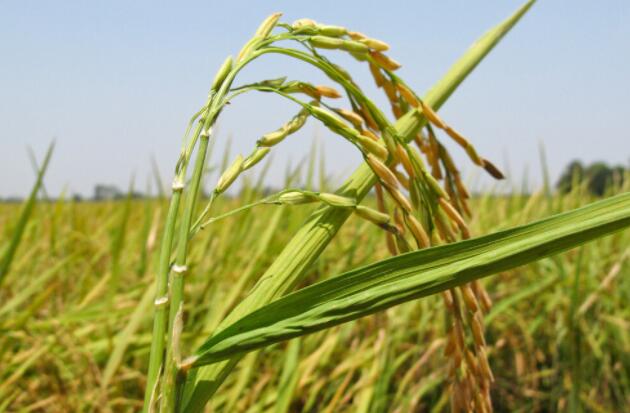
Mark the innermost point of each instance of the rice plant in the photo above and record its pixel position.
(425, 213)
(375, 296)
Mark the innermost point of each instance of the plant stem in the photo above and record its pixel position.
(161, 294)
(156, 358)
(159, 318)
(575, 337)
(177, 282)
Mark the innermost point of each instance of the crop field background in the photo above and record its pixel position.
(409, 285)
(76, 315)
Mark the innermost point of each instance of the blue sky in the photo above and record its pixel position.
(115, 82)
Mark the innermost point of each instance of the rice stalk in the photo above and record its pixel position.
(429, 196)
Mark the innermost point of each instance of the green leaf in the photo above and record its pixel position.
(27, 209)
(396, 280)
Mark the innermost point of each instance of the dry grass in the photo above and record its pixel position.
(61, 331)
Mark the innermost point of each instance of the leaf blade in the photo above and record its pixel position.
(27, 209)
(392, 281)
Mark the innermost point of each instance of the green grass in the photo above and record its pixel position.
(63, 339)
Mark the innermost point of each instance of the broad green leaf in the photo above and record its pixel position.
(396, 280)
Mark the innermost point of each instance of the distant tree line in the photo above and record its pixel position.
(597, 177)
(101, 193)
(111, 192)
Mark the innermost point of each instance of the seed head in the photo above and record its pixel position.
(352, 117)
(295, 198)
(470, 361)
(418, 232)
(432, 116)
(247, 48)
(454, 215)
(390, 91)
(416, 161)
(458, 331)
(400, 199)
(402, 155)
(445, 231)
(328, 118)
(483, 364)
(398, 221)
(455, 362)
(332, 31)
(255, 157)
(325, 42)
(469, 297)
(370, 134)
(472, 154)
(492, 169)
(297, 121)
(337, 200)
(373, 147)
(359, 57)
(456, 136)
(402, 244)
(356, 35)
(375, 44)
(230, 175)
(369, 120)
(390, 241)
(267, 25)
(402, 178)
(372, 215)
(435, 186)
(355, 47)
(447, 295)
(292, 126)
(327, 91)
(222, 73)
(379, 79)
(432, 153)
(487, 400)
(478, 403)
(305, 88)
(390, 140)
(273, 138)
(477, 329)
(382, 171)
(482, 295)
(408, 95)
(397, 110)
(303, 22)
(384, 61)
(414, 194)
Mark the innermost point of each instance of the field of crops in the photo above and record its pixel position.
(77, 307)
(398, 290)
